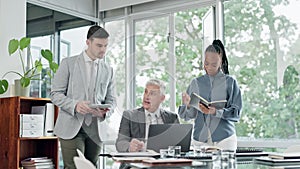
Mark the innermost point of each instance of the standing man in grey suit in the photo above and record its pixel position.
(80, 81)
(135, 123)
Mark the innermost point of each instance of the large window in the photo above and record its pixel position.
(115, 56)
(188, 47)
(261, 40)
(264, 57)
(151, 55)
(72, 41)
(262, 54)
(40, 88)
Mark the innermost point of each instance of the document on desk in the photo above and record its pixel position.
(291, 155)
(252, 154)
(277, 162)
(132, 159)
(134, 154)
(167, 161)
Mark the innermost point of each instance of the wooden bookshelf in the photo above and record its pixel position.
(13, 149)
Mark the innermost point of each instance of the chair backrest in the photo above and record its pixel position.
(293, 149)
(82, 163)
(80, 154)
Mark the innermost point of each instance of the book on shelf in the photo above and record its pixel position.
(38, 109)
(196, 99)
(48, 114)
(37, 163)
(40, 167)
(49, 119)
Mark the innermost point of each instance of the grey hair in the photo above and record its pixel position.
(159, 83)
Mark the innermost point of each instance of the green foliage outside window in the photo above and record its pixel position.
(263, 57)
(253, 36)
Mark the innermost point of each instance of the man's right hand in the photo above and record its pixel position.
(83, 108)
(136, 145)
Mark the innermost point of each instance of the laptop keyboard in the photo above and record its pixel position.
(248, 150)
(207, 156)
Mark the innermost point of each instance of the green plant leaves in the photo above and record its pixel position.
(39, 66)
(3, 86)
(13, 46)
(25, 81)
(47, 54)
(32, 72)
(53, 66)
(24, 43)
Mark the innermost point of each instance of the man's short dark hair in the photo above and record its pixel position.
(97, 32)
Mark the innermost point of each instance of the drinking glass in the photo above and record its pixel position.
(163, 153)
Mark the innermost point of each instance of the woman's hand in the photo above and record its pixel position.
(186, 99)
(205, 110)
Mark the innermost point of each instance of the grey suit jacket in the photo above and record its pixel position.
(69, 87)
(133, 126)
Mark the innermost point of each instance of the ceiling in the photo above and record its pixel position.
(43, 21)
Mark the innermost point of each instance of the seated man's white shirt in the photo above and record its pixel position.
(155, 119)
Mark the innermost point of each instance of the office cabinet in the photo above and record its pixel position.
(13, 148)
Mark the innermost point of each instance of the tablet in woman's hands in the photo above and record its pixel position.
(101, 106)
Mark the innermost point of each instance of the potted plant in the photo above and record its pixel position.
(33, 72)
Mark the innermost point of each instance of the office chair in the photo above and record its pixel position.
(82, 163)
(80, 154)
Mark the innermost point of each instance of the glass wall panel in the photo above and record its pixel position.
(262, 42)
(73, 41)
(188, 48)
(151, 55)
(40, 88)
(115, 56)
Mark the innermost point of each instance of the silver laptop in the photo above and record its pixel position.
(160, 136)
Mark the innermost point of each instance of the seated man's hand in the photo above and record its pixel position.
(136, 145)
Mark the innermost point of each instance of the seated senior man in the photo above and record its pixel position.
(135, 123)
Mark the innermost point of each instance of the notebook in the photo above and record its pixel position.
(160, 136)
(278, 162)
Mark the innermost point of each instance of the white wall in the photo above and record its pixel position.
(13, 25)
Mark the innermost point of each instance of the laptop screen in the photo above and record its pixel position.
(160, 136)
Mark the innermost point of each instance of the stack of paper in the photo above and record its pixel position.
(37, 163)
(280, 159)
(293, 155)
(134, 154)
(168, 161)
